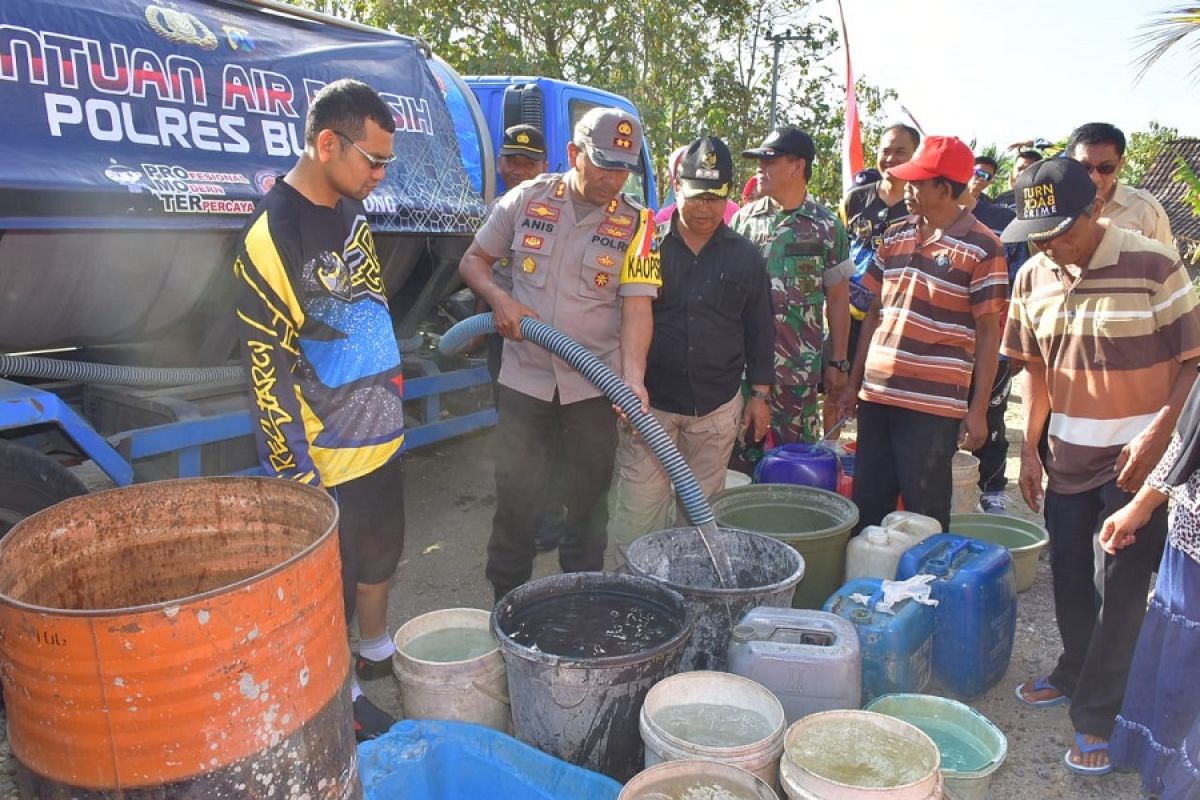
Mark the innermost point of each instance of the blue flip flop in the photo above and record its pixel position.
(1085, 748)
(1041, 685)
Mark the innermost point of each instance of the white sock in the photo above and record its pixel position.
(378, 649)
(355, 690)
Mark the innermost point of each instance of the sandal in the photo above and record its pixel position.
(1041, 685)
(1085, 748)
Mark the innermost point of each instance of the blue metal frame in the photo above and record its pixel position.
(25, 406)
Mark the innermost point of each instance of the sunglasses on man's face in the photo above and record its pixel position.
(983, 175)
(1107, 168)
(374, 161)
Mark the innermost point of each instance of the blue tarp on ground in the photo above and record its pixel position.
(180, 114)
(436, 760)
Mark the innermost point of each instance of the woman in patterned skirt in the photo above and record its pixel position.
(1158, 729)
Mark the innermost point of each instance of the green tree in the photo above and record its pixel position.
(1141, 148)
(690, 66)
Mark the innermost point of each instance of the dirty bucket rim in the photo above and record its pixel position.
(788, 738)
(713, 767)
(987, 769)
(144, 608)
(674, 600)
(793, 578)
(778, 721)
(486, 619)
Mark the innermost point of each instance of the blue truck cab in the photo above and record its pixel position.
(553, 106)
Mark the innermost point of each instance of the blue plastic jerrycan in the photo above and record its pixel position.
(897, 649)
(976, 616)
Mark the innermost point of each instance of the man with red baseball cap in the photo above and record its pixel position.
(941, 284)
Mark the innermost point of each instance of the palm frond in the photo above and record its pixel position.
(1159, 36)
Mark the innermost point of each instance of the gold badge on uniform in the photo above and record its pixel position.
(522, 138)
(560, 191)
(601, 279)
(606, 261)
(529, 265)
(621, 220)
(709, 160)
(612, 206)
(624, 128)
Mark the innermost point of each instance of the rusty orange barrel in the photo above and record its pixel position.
(179, 639)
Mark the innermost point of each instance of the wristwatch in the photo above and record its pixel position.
(759, 394)
(840, 366)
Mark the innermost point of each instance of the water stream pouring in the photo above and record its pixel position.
(691, 497)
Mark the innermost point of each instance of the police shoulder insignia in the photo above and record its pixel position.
(612, 206)
(560, 191)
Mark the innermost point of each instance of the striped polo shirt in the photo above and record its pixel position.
(1112, 342)
(930, 293)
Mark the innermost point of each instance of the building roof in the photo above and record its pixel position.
(1160, 181)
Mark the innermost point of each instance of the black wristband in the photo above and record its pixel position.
(759, 394)
(840, 366)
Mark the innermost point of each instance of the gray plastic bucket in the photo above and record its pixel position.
(767, 573)
(585, 710)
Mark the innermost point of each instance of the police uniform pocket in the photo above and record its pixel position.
(600, 273)
(531, 259)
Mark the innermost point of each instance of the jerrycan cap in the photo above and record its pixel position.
(744, 633)
(876, 534)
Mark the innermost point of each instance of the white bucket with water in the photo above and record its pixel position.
(695, 777)
(457, 679)
(738, 694)
(965, 471)
(859, 755)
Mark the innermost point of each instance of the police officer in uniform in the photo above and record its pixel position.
(582, 259)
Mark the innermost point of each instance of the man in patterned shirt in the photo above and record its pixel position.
(939, 283)
(322, 357)
(808, 261)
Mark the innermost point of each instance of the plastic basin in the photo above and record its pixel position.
(434, 760)
(965, 738)
(1024, 539)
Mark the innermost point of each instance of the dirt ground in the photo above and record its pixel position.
(449, 495)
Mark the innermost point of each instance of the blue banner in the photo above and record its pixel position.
(181, 114)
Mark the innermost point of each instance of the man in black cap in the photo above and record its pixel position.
(522, 155)
(712, 320)
(808, 261)
(1105, 322)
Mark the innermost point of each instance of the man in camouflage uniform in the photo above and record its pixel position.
(808, 260)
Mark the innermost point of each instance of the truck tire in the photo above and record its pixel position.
(29, 482)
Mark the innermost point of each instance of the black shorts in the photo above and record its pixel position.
(372, 524)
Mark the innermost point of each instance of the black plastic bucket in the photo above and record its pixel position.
(584, 710)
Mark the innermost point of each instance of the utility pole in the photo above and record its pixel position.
(777, 40)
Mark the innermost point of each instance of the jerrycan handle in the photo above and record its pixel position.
(941, 565)
(875, 598)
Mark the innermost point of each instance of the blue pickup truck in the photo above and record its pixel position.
(138, 137)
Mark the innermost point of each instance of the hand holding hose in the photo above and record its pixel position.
(507, 315)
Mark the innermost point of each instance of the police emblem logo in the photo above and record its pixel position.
(620, 220)
(601, 280)
(522, 138)
(614, 231)
(625, 128)
(333, 274)
(528, 264)
(180, 27)
(606, 261)
(542, 211)
(710, 160)
(532, 241)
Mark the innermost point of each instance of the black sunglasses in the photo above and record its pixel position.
(376, 163)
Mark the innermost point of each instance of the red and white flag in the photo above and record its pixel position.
(852, 148)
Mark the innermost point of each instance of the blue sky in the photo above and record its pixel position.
(1007, 70)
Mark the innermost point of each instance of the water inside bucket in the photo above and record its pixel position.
(960, 750)
(695, 789)
(714, 724)
(778, 519)
(861, 754)
(451, 644)
(720, 558)
(592, 624)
